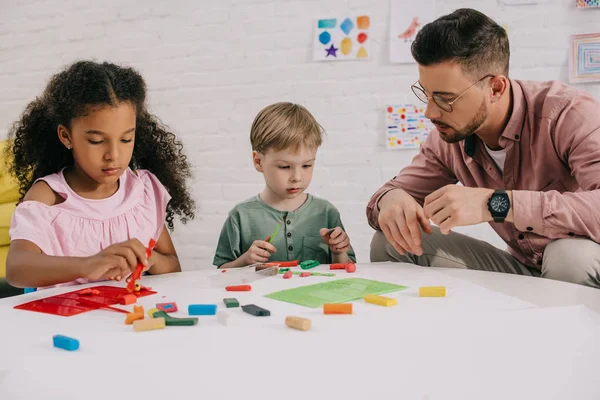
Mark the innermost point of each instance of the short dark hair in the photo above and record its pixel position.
(466, 36)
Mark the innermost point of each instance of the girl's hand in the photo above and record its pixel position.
(115, 262)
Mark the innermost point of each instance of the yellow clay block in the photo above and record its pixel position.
(432, 291)
(380, 300)
(302, 324)
(152, 311)
(142, 325)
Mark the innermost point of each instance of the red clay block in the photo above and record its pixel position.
(287, 275)
(239, 288)
(128, 299)
(350, 267)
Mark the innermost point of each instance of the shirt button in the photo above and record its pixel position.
(288, 222)
(571, 234)
(517, 137)
(529, 228)
(291, 248)
(289, 234)
(521, 236)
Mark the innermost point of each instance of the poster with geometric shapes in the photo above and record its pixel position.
(588, 3)
(584, 62)
(407, 17)
(406, 126)
(346, 38)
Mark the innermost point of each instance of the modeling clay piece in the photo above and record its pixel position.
(256, 310)
(226, 319)
(380, 300)
(350, 267)
(148, 324)
(172, 321)
(65, 342)
(337, 266)
(167, 307)
(344, 308)
(138, 313)
(304, 274)
(272, 237)
(302, 324)
(132, 283)
(308, 264)
(287, 275)
(281, 270)
(128, 299)
(239, 288)
(293, 263)
(231, 302)
(202, 309)
(432, 291)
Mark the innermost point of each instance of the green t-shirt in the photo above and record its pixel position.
(298, 237)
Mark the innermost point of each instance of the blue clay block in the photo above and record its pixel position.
(64, 342)
(202, 309)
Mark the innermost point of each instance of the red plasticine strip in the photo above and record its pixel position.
(337, 266)
(239, 288)
(137, 273)
(283, 264)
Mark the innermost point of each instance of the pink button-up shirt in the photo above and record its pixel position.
(552, 144)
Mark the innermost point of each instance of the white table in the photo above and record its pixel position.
(489, 338)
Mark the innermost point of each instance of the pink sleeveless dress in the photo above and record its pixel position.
(80, 227)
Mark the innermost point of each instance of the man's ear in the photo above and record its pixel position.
(498, 87)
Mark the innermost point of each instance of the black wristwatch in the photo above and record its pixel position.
(499, 204)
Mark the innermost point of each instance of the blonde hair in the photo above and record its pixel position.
(285, 126)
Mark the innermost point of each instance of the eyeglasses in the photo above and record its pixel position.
(440, 101)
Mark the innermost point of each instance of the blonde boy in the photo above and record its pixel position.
(285, 138)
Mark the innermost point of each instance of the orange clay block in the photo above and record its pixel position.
(138, 313)
(345, 308)
(432, 291)
(380, 300)
(302, 324)
(239, 288)
(128, 299)
(148, 324)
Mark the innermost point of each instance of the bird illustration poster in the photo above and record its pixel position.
(345, 38)
(407, 17)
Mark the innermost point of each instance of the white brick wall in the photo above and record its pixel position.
(212, 65)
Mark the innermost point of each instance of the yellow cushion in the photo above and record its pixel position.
(6, 211)
(3, 254)
(9, 187)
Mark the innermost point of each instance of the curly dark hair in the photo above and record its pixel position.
(35, 150)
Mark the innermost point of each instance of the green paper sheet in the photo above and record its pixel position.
(338, 291)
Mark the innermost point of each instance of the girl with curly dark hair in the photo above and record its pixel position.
(99, 177)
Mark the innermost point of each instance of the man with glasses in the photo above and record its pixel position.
(527, 156)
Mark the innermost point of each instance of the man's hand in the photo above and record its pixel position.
(455, 205)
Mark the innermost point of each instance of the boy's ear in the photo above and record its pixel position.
(257, 160)
(64, 136)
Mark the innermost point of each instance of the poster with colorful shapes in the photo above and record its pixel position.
(406, 126)
(588, 3)
(345, 38)
(407, 17)
(584, 62)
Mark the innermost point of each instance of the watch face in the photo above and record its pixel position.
(499, 204)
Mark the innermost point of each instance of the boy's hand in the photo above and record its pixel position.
(338, 241)
(260, 251)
